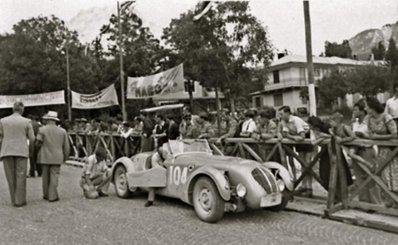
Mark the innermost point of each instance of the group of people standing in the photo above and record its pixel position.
(47, 147)
(18, 143)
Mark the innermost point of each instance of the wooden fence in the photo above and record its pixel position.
(116, 146)
(339, 195)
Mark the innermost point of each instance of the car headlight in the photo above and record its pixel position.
(281, 184)
(240, 190)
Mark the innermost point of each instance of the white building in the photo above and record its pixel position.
(288, 76)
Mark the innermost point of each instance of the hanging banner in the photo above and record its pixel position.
(51, 98)
(169, 81)
(104, 98)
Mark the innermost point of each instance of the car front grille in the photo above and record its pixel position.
(265, 179)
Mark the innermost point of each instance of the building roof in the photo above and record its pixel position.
(163, 108)
(322, 60)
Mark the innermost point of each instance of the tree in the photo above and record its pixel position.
(392, 54)
(33, 58)
(379, 51)
(223, 47)
(342, 50)
(141, 50)
(332, 87)
(142, 53)
(366, 80)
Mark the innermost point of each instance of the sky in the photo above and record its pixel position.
(331, 20)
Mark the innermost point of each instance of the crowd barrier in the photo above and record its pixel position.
(339, 195)
(83, 145)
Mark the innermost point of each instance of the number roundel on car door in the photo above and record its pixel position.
(178, 175)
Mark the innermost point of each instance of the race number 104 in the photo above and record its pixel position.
(178, 176)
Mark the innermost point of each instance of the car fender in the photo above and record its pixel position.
(126, 162)
(216, 175)
(283, 173)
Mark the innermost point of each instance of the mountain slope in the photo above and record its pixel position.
(88, 22)
(362, 43)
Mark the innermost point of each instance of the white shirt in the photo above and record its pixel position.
(126, 134)
(359, 126)
(296, 125)
(92, 167)
(249, 126)
(392, 107)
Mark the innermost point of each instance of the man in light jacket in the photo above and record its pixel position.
(15, 132)
(53, 145)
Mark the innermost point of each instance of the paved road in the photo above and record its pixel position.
(111, 220)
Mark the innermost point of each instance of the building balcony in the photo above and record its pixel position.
(286, 83)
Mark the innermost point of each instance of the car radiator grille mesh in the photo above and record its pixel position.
(271, 179)
(265, 179)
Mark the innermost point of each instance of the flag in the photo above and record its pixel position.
(124, 6)
(166, 82)
(204, 8)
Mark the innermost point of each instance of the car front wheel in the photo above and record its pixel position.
(207, 202)
(286, 197)
(121, 184)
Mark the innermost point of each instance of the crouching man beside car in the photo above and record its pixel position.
(96, 175)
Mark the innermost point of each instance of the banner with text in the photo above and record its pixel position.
(51, 98)
(169, 81)
(104, 98)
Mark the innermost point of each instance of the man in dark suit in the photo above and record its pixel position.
(53, 145)
(146, 137)
(15, 132)
(32, 160)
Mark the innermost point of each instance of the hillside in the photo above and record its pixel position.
(362, 43)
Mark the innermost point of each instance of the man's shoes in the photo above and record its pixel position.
(45, 198)
(55, 200)
(19, 205)
(102, 194)
(148, 204)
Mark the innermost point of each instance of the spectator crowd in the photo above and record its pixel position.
(370, 120)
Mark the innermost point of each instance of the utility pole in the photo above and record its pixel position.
(121, 65)
(68, 82)
(191, 86)
(218, 110)
(310, 65)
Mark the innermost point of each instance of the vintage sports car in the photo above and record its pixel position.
(213, 184)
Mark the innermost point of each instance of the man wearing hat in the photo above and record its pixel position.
(15, 131)
(53, 147)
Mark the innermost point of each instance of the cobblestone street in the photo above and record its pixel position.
(112, 220)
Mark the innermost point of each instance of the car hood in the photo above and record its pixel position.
(215, 160)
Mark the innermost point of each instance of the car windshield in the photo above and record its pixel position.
(185, 146)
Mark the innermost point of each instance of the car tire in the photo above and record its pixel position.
(286, 196)
(207, 202)
(121, 184)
